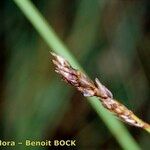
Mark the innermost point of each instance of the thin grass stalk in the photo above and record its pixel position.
(126, 141)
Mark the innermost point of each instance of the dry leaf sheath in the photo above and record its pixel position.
(89, 88)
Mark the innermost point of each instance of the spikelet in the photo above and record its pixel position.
(89, 88)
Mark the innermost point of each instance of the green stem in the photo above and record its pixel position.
(147, 129)
(47, 33)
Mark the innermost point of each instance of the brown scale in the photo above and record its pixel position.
(89, 88)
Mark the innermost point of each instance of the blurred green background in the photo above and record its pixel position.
(109, 38)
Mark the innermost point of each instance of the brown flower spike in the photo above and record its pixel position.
(89, 88)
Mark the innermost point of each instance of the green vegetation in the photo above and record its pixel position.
(36, 101)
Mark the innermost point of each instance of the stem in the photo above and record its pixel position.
(148, 129)
(46, 32)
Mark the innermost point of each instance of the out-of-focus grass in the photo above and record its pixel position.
(28, 94)
(88, 11)
(47, 33)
